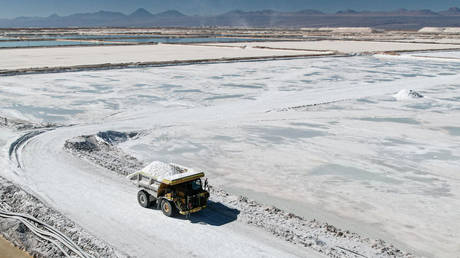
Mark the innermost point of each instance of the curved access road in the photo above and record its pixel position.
(105, 204)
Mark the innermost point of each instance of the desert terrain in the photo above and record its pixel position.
(316, 142)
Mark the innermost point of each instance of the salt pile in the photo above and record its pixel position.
(431, 30)
(160, 169)
(407, 94)
(451, 30)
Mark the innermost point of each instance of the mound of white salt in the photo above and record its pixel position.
(431, 30)
(160, 169)
(407, 94)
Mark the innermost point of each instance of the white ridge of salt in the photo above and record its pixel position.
(405, 94)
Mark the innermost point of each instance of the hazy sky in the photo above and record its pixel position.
(14, 8)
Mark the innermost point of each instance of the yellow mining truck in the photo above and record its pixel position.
(171, 188)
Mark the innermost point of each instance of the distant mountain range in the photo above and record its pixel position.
(399, 19)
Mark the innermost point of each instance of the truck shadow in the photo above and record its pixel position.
(216, 214)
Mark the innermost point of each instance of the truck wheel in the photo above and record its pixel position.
(143, 198)
(167, 208)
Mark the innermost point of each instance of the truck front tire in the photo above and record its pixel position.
(143, 198)
(167, 208)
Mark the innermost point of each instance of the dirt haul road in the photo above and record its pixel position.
(106, 206)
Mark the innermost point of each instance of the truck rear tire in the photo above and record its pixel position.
(167, 208)
(143, 198)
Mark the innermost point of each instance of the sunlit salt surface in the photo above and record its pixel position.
(102, 40)
(182, 40)
(323, 137)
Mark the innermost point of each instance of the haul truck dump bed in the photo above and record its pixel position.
(171, 187)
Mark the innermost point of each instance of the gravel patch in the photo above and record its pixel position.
(100, 149)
